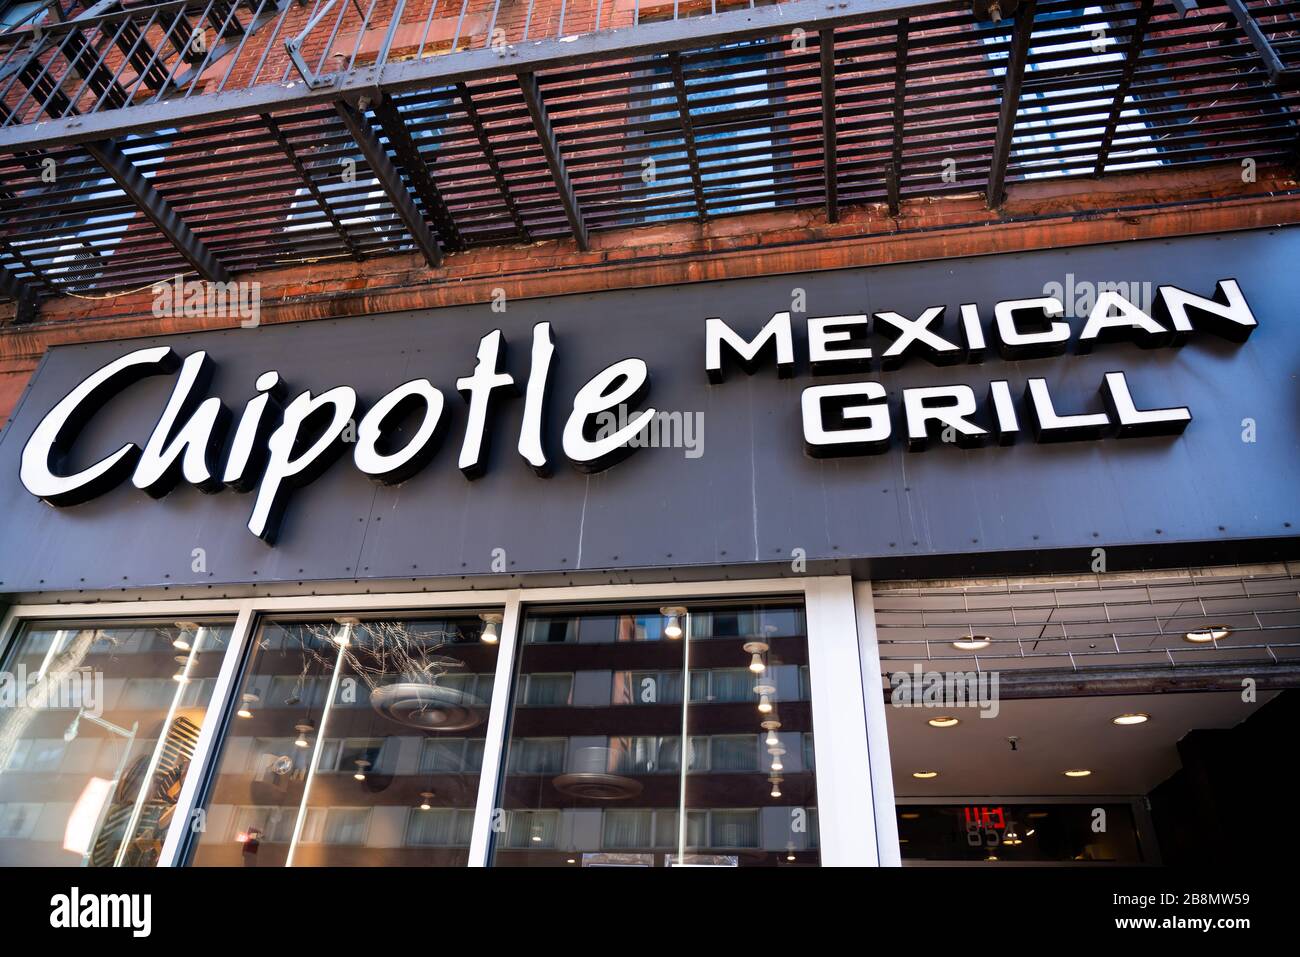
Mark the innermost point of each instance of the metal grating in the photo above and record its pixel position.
(409, 145)
(1107, 621)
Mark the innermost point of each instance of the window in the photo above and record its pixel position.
(597, 777)
(99, 748)
(439, 827)
(353, 743)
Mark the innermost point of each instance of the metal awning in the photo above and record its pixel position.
(131, 151)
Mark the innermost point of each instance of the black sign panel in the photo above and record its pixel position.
(731, 474)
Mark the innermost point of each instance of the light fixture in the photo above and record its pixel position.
(789, 851)
(247, 699)
(770, 723)
(674, 614)
(1203, 635)
(972, 643)
(537, 833)
(776, 786)
(772, 740)
(491, 623)
(947, 721)
(303, 728)
(756, 649)
(910, 816)
(361, 764)
(180, 676)
(183, 628)
(1077, 773)
(776, 763)
(1136, 717)
(1029, 833)
(425, 798)
(764, 692)
(573, 860)
(925, 775)
(341, 636)
(991, 857)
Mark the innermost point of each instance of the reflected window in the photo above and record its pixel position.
(601, 718)
(353, 743)
(98, 731)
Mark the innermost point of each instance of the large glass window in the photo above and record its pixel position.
(594, 771)
(98, 726)
(354, 742)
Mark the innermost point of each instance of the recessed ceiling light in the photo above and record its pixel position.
(1136, 717)
(910, 816)
(972, 643)
(925, 775)
(1205, 635)
(1077, 773)
(947, 721)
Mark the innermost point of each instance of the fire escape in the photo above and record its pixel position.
(211, 138)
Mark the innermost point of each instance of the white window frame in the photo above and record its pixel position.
(855, 801)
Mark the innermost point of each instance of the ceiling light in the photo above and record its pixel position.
(573, 860)
(247, 700)
(764, 693)
(910, 816)
(303, 728)
(1077, 773)
(425, 798)
(925, 775)
(1029, 833)
(772, 740)
(490, 634)
(947, 721)
(361, 764)
(1136, 717)
(757, 649)
(1204, 635)
(776, 787)
(184, 629)
(674, 615)
(776, 764)
(972, 643)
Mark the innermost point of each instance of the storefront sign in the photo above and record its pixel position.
(872, 356)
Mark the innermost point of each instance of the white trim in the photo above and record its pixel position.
(182, 817)
(494, 744)
(882, 772)
(840, 748)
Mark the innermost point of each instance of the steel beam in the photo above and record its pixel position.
(688, 134)
(305, 175)
(389, 180)
(1022, 33)
(422, 73)
(900, 99)
(150, 202)
(826, 50)
(417, 173)
(1278, 74)
(554, 158)
(1132, 56)
(489, 156)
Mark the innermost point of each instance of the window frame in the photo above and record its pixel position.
(849, 771)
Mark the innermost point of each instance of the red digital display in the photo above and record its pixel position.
(985, 817)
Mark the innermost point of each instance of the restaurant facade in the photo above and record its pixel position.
(613, 434)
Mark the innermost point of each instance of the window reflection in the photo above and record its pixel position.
(354, 743)
(607, 701)
(97, 731)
